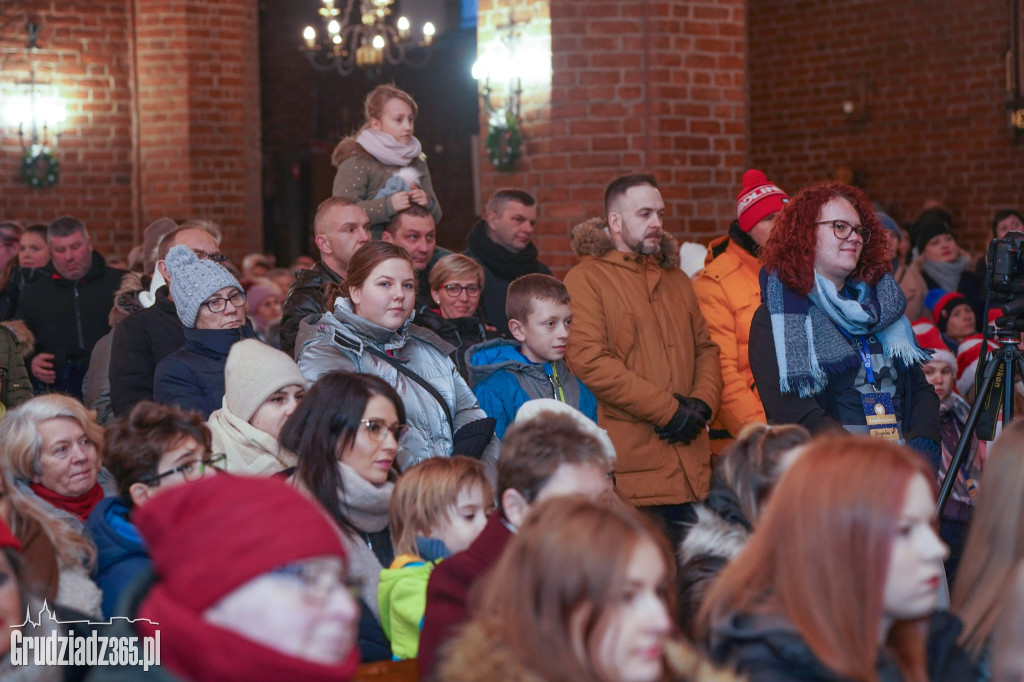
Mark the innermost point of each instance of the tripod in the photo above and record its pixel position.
(1009, 359)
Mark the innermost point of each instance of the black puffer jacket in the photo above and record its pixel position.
(68, 318)
(305, 297)
(462, 332)
(140, 342)
(19, 279)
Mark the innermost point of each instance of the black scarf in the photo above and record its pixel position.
(744, 240)
(499, 260)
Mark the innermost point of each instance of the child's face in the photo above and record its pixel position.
(545, 333)
(396, 119)
(940, 375)
(465, 519)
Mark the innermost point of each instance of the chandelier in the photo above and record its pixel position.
(359, 36)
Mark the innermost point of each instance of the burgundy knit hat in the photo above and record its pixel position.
(758, 198)
(209, 537)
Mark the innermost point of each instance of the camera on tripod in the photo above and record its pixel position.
(1006, 267)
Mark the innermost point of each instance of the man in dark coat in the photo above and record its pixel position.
(501, 243)
(341, 228)
(142, 340)
(545, 455)
(68, 311)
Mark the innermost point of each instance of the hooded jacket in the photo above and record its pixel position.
(192, 377)
(461, 332)
(139, 343)
(69, 317)
(16, 343)
(338, 341)
(503, 379)
(249, 451)
(729, 292)
(120, 554)
(638, 338)
(305, 298)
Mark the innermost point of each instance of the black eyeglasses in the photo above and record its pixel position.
(456, 289)
(217, 305)
(192, 471)
(378, 429)
(215, 257)
(842, 229)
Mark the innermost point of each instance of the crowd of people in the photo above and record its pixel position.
(396, 452)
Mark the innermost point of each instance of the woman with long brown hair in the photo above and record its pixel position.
(994, 549)
(582, 592)
(841, 575)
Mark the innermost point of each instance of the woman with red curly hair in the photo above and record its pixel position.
(830, 346)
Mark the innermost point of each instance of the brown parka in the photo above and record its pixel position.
(638, 337)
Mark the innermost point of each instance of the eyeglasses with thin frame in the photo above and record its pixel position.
(378, 430)
(215, 257)
(319, 581)
(192, 471)
(217, 305)
(454, 290)
(842, 229)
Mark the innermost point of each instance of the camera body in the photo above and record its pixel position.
(1006, 265)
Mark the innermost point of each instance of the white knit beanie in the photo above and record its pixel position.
(533, 408)
(254, 372)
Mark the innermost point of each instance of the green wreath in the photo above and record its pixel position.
(39, 167)
(504, 144)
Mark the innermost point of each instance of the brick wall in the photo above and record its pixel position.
(927, 80)
(654, 85)
(163, 116)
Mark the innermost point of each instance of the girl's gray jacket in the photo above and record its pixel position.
(338, 341)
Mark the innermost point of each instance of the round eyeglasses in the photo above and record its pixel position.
(217, 305)
(842, 229)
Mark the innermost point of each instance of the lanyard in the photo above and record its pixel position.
(865, 355)
(557, 384)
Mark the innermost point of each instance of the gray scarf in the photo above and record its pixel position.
(387, 149)
(946, 275)
(367, 506)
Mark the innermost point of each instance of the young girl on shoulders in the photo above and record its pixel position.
(382, 167)
(438, 508)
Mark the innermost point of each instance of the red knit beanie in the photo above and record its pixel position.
(759, 198)
(7, 538)
(209, 537)
(943, 308)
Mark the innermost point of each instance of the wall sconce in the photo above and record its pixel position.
(507, 62)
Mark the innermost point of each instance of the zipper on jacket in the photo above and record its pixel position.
(78, 317)
(556, 385)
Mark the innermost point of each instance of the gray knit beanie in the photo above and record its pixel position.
(254, 372)
(193, 281)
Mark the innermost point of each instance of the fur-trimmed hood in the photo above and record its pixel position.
(591, 238)
(126, 298)
(26, 339)
(713, 536)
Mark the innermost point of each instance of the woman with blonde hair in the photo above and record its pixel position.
(48, 449)
(583, 591)
(994, 548)
(842, 574)
(382, 167)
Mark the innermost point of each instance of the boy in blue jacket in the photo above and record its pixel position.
(505, 374)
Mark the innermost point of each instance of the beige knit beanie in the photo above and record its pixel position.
(254, 372)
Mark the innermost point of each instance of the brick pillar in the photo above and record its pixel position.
(655, 85)
(198, 115)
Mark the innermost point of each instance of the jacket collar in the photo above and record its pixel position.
(216, 342)
(388, 339)
(96, 268)
(591, 238)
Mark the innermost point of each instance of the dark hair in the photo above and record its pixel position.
(12, 225)
(525, 290)
(532, 451)
(1001, 215)
(38, 228)
(790, 250)
(65, 226)
(364, 261)
(324, 425)
(135, 443)
(414, 210)
(619, 186)
(498, 200)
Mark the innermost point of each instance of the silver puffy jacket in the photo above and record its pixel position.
(318, 352)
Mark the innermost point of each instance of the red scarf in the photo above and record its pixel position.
(199, 651)
(80, 506)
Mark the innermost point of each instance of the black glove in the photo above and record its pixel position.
(690, 419)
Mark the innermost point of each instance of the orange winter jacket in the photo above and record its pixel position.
(729, 292)
(637, 338)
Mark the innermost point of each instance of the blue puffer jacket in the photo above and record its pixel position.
(503, 379)
(120, 554)
(192, 377)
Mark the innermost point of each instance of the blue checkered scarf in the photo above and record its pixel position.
(809, 345)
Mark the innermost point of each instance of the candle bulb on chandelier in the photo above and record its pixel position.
(428, 33)
(403, 27)
(309, 33)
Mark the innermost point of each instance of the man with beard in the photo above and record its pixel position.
(502, 243)
(640, 344)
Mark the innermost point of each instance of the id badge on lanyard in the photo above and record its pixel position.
(879, 412)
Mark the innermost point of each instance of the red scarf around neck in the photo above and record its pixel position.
(80, 506)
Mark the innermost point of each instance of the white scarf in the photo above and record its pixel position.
(387, 149)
